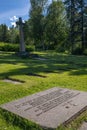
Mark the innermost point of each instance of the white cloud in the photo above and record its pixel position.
(16, 13)
(23, 21)
(13, 24)
(14, 18)
(8, 28)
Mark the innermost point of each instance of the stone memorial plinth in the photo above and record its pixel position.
(49, 108)
(22, 52)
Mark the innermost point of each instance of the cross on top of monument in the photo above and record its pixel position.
(20, 21)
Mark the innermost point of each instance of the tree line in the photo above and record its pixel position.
(60, 25)
(9, 35)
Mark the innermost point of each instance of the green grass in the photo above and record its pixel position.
(61, 70)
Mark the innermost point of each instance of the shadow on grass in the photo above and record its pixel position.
(79, 72)
(32, 67)
(54, 64)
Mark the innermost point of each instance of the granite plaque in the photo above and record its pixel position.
(49, 108)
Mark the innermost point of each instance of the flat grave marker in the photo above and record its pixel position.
(12, 81)
(49, 108)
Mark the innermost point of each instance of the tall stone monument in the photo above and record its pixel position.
(22, 50)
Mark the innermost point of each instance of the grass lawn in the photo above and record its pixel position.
(55, 70)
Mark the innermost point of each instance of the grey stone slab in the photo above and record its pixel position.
(40, 58)
(12, 81)
(49, 108)
(84, 126)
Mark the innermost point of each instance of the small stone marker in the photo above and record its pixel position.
(40, 58)
(12, 81)
(50, 108)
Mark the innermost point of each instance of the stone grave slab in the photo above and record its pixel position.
(40, 58)
(83, 126)
(12, 81)
(49, 108)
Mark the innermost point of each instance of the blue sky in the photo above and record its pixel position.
(10, 10)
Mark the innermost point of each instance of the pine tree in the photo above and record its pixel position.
(4, 36)
(37, 18)
(75, 13)
(56, 28)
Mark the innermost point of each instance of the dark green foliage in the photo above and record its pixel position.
(56, 27)
(77, 51)
(37, 22)
(4, 35)
(85, 52)
(30, 48)
(76, 13)
(13, 35)
(14, 47)
(10, 35)
(9, 47)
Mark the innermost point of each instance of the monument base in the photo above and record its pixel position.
(22, 54)
(26, 54)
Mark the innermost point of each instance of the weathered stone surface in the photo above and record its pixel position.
(22, 44)
(12, 81)
(49, 108)
(84, 126)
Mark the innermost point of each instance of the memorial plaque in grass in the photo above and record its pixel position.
(14, 81)
(50, 108)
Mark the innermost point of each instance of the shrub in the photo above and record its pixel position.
(77, 51)
(9, 47)
(14, 47)
(60, 48)
(85, 52)
(30, 48)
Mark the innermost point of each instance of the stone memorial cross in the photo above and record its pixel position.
(22, 44)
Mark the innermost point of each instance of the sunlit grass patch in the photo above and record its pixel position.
(60, 70)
